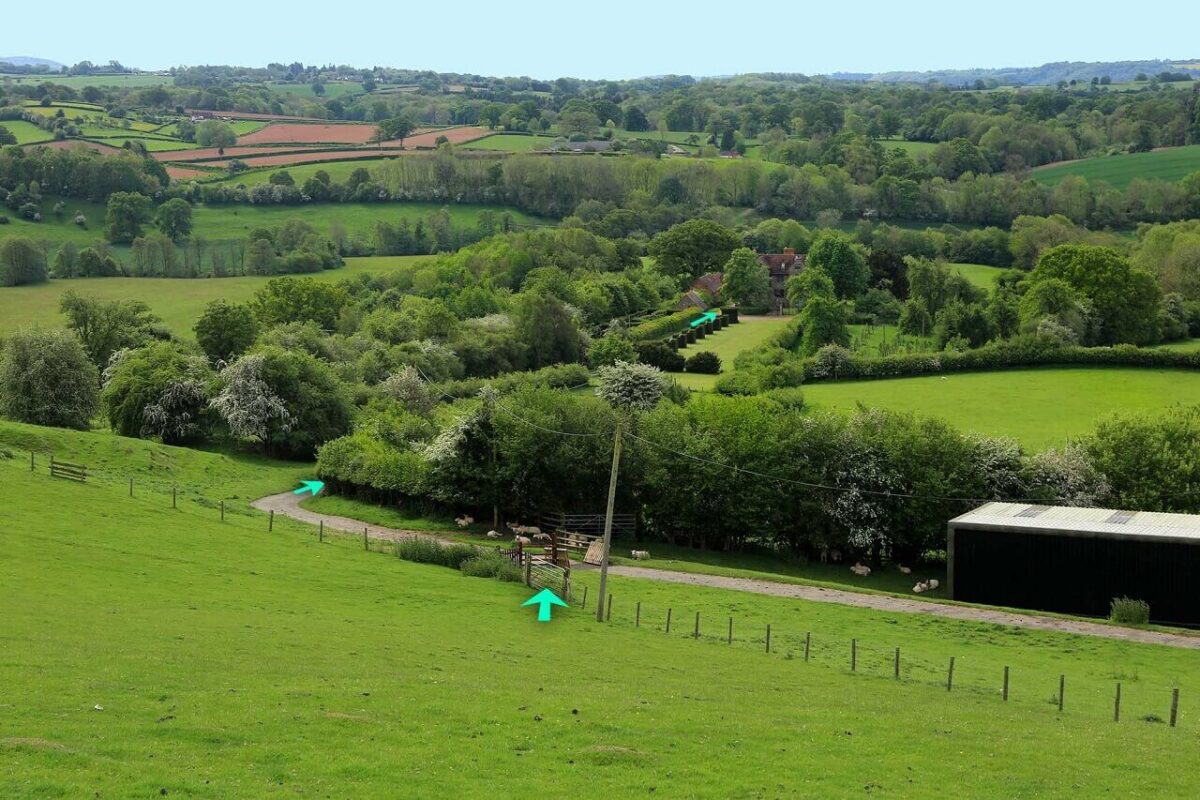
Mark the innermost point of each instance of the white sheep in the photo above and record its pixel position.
(494, 534)
(541, 537)
(464, 521)
(860, 570)
(905, 570)
(640, 555)
(921, 587)
(524, 541)
(933, 583)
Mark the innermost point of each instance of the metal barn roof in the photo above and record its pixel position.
(1069, 520)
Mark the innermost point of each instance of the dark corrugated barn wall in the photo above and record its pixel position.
(1076, 574)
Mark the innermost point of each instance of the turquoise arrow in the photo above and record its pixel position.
(544, 600)
(310, 486)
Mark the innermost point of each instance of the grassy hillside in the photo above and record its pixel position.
(152, 651)
(1168, 164)
(1038, 407)
(178, 301)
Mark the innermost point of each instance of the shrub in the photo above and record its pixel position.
(657, 354)
(664, 326)
(739, 383)
(491, 564)
(430, 551)
(1127, 611)
(788, 396)
(705, 362)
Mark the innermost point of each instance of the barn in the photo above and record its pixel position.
(1076, 560)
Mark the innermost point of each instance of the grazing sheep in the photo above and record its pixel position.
(464, 521)
(860, 570)
(524, 541)
(921, 587)
(494, 534)
(640, 555)
(541, 537)
(905, 570)
(933, 583)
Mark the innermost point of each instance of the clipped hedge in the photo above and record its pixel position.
(662, 327)
(362, 461)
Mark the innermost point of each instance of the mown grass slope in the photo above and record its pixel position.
(1168, 164)
(152, 651)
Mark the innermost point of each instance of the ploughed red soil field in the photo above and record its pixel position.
(212, 154)
(184, 173)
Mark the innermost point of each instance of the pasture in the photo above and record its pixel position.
(511, 143)
(1040, 408)
(121, 80)
(26, 132)
(178, 301)
(1167, 164)
(727, 343)
(151, 650)
(980, 275)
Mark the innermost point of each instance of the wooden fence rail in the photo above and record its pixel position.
(73, 472)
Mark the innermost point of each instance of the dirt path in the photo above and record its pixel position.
(288, 504)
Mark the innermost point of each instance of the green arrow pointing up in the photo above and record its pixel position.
(310, 486)
(544, 600)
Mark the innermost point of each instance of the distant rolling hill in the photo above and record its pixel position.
(30, 61)
(1045, 75)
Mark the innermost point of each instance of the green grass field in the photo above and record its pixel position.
(912, 148)
(1169, 164)
(179, 301)
(510, 143)
(727, 343)
(79, 81)
(151, 651)
(980, 275)
(1039, 407)
(26, 132)
(338, 171)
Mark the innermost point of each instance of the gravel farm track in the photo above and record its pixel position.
(288, 504)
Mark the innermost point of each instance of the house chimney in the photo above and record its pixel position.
(789, 251)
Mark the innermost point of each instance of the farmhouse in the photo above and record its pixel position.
(1076, 560)
(781, 266)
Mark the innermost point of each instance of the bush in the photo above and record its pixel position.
(661, 327)
(739, 383)
(705, 362)
(787, 396)
(430, 551)
(657, 354)
(561, 376)
(492, 565)
(1126, 611)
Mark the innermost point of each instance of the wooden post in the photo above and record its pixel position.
(807, 644)
(31, 461)
(222, 511)
(854, 655)
(1117, 704)
(950, 675)
(174, 491)
(608, 613)
(529, 571)
(1062, 685)
(696, 632)
(584, 601)
(131, 487)
(768, 637)
(270, 521)
(320, 530)
(896, 666)
(1004, 691)
(608, 517)
(730, 637)
(637, 615)
(668, 620)
(1174, 705)
(366, 541)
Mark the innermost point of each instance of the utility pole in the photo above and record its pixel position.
(608, 519)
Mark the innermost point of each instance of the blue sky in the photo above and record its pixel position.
(610, 38)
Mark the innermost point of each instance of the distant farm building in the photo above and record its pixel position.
(702, 293)
(781, 266)
(1076, 560)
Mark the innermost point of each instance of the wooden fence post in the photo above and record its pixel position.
(270, 521)
(174, 492)
(896, 665)
(529, 571)
(366, 541)
(637, 615)
(1004, 691)
(1062, 685)
(950, 675)
(320, 530)
(608, 612)
(131, 487)
(807, 643)
(768, 637)
(583, 602)
(1117, 704)
(668, 620)
(222, 511)
(729, 639)
(854, 655)
(31, 461)
(696, 632)
(1174, 705)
